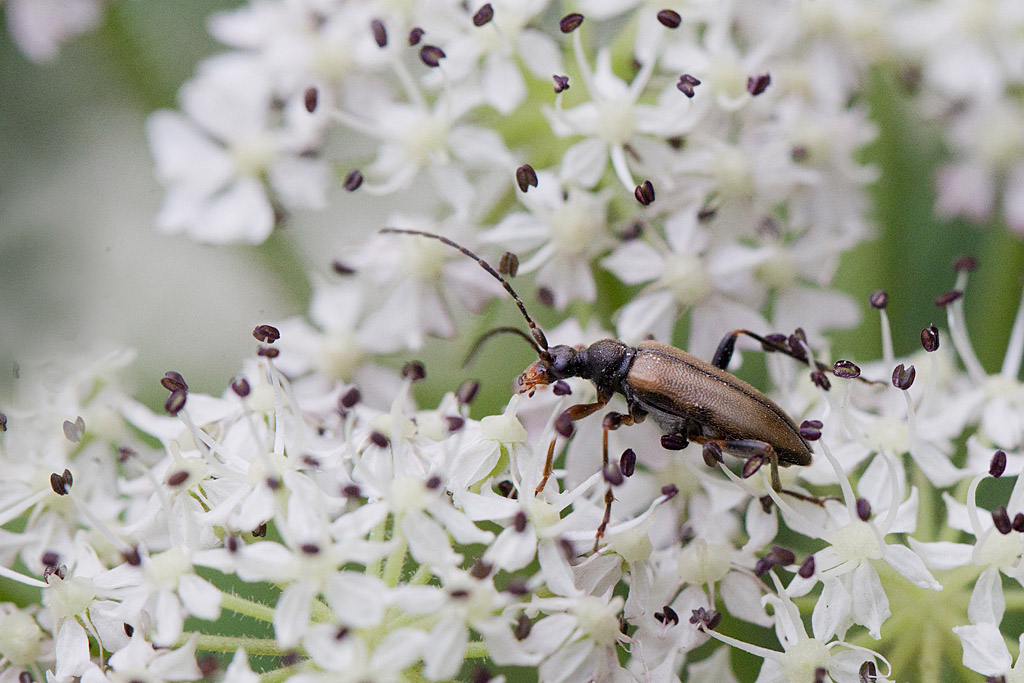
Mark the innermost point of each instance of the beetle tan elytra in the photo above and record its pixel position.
(690, 399)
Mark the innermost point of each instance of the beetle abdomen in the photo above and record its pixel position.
(671, 383)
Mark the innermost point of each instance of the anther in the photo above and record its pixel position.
(965, 264)
(260, 531)
(341, 268)
(519, 522)
(480, 569)
(612, 475)
(570, 22)
(758, 84)
(178, 478)
(350, 398)
(268, 352)
(903, 377)
(240, 386)
(561, 83)
(567, 548)
(627, 462)
(352, 491)
(483, 15)
(414, 370)
(124, 454)
(508, 264)
(820, 379)
(173, 381)
(431, 55)
(310, 548)
(946, 299)
(712, 454)
(545, 296)
(561, 388)
(670, 490)
(1018, 522)
(380, 34)
(867, 672)
(526, 177)
(810, 430)
(505, 488)
(670, 616)
(612, 421)
(879, 298)
(686, 85)
(634, 231)
(433, 483)
(311, 461)
(310, 98)
(415, 35)
(467, 391)
(644, 193)
(73, 431)
(819, 674)
(50, 559)
(523, 627)
(930, 338)
(669, 18)
(845, 369)
(517, 587)
(26, 676)
(232, 544)
(290, 659)
(132, 557)
(674, 442)
(1001, 520)
(266, 334)
(799, 153)
(998, 464)
(455, 423)
(806, 570)
(353, 180)
(863, 509)
(379, 440)
(3, 422)
(208, 666)
(175, 402)
(751, 466)
(706, 215)
(129, 630)
(563, 425)
(58, 485)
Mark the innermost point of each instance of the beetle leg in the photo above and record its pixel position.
(611, 422)
(570, 414)
(755, 451)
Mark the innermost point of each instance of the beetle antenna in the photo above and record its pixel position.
(482, 339)
(539, 340)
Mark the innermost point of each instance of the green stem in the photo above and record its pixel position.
(422, 576)
(282, 674)
(253, 646)
(1014, 599)
(377, 536)
(250, 608)
(477, 650)
(394, 564)
(925, 505)
(320, 612)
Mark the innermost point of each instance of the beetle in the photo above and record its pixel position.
(689, 399)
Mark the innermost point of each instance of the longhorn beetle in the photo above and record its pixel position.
(690, 399)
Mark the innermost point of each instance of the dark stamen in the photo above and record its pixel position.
(998, 464)
(310, 99)
(353, 180)
(483, 15)
(879, 298)
(946, 299)
(431, 55)
(644, 193)
(526, 177)
(1001, 520)
(380, 34)
(674, 442)
(758, 84)
(669, 18)
(627, 462)
(846, 369)
(903, 377)
(266, 334)
(686, 84)
(415, 35)
(570, 22)
(561, 83)
(863, 509)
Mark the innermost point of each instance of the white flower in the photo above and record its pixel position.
(215, 158)
(38, 27)
(687, 272)
(564, 228)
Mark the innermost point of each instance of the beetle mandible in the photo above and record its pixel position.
(690, 399)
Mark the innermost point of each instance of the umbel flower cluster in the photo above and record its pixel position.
(675, 172)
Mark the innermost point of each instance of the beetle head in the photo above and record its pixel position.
(563, 362)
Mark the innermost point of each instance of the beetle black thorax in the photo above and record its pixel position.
(605, 363)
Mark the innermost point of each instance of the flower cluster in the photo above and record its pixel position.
(699, 165)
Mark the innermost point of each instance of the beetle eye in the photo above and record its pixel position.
(560, 363)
